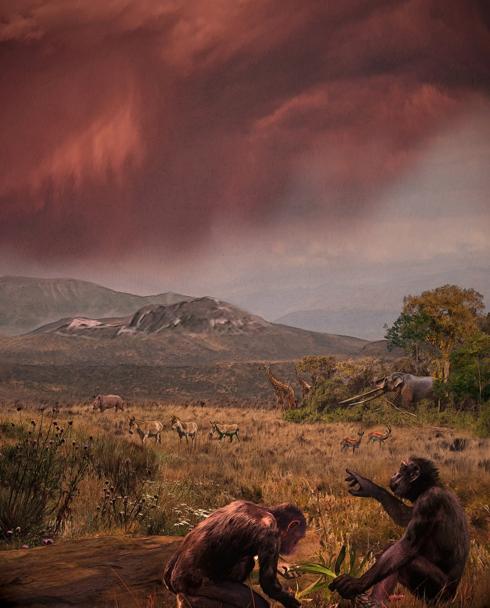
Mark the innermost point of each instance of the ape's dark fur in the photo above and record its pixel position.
(221, 549)
(429, 558)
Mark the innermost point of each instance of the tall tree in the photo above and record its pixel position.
(410, 332)
(441, 319)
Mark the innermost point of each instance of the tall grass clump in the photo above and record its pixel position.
(40, 474)
(130, 496)
(125, 465)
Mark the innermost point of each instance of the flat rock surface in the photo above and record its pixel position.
(107, 571)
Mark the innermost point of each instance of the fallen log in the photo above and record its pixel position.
(107, 571)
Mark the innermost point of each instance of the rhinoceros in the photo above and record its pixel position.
(106, 402)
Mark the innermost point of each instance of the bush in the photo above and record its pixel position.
(483, 424)
(125, 465)
(128, 499)
(40, 475)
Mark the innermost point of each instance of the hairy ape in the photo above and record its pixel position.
(217, 556)
(430, 557)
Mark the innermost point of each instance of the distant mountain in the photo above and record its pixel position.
(27, 303)
(196, 316)
(199, 348)
(366, 324)
(198, 331)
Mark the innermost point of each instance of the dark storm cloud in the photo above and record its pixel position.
(129, 125)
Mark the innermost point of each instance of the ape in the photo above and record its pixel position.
(429, 558)
(217, 556)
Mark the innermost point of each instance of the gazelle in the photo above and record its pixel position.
(351, 442)
(225, 430)
(146, 428)
(184, 429)
(379, 437)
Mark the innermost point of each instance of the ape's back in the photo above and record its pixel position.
(220, 548)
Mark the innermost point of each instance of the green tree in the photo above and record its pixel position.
(470, 370)
(319, 367)
(410, 332)
(442, 319)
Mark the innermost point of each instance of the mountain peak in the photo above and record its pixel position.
(198, 315)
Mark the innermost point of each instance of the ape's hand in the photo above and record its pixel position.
(287, 571)
(360, 486)
(346, 586)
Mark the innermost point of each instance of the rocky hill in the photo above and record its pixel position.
(201, 331)
(27, 303)
(195, 316)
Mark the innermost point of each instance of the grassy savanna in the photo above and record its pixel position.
(165, 488)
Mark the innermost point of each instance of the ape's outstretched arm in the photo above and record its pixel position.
(399, 512)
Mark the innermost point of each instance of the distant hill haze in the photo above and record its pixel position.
(27, 303)
(367, 324)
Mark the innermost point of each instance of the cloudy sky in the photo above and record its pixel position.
(279, 154)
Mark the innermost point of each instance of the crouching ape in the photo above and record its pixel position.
(216, 558)
(430, 557)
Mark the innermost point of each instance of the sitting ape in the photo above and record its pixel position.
(429, 558)
(210, 567)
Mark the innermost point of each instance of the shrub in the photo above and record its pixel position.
(483, 424)
(125, 465)
(39, 476)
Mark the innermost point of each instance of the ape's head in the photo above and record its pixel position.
(414, 477)
(292, 526)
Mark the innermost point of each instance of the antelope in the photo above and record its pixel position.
(146, 428)
(225, 430)
(351, 442)
(379, 437)
(184, 429)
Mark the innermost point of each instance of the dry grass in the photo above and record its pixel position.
(278, 461)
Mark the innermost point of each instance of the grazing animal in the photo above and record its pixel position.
(146, 428)
(430, 557)
(225, 430)
(184, 429)
(379, 437)
(107, 402)
(305, 387)
(211, 566)
(285, 396)
(351, 442)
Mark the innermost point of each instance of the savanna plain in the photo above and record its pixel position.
(99, 479)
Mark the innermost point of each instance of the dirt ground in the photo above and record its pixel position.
(104, 571)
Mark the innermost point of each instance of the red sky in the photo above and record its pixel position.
(134, 128)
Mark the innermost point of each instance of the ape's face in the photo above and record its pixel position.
(291, 537)
(401, 483)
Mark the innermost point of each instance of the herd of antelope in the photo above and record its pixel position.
(373, 437)
(154, 428)
(185, 430)
(188, 430)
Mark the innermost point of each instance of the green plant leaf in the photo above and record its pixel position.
(312, 568)
(320, 583)
(340, 559)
